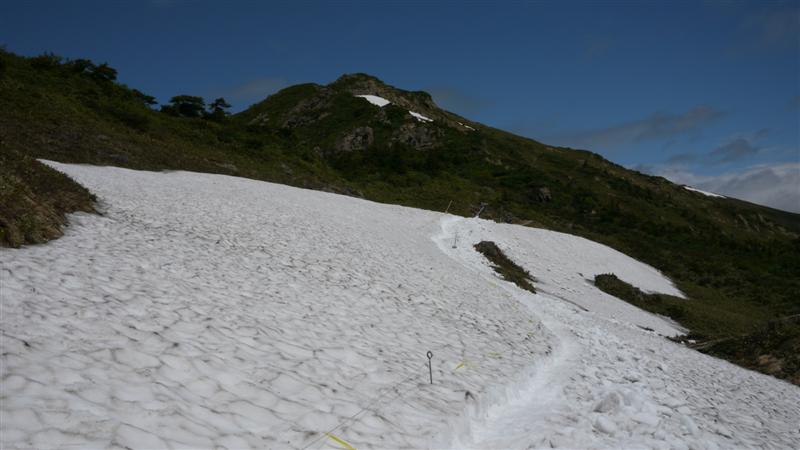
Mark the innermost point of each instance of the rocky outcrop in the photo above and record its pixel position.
(545, 195)
(359, 139)
(418, 136)
(259, 120)
(417, 101)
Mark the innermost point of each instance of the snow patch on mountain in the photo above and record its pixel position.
(707, 194)
(381, 102)
(375, 100)
(420, 117)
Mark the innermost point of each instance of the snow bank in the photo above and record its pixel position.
(210, 311)
(375, 100)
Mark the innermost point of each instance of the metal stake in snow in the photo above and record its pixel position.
(483, 205)
(455, 240)
(430, 369)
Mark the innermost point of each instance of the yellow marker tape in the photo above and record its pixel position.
(345, 444)
(464, 363)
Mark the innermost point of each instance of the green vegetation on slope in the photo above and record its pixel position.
(695, 316)
(739, 262)
(34, 199)
(772, 349)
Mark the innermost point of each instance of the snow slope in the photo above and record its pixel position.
(202, 310)
(610, 384)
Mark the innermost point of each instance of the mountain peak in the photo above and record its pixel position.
(357, 78)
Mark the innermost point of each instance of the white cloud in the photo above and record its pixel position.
(659, 125)
(774, 185)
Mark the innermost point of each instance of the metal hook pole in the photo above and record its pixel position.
(430, 368)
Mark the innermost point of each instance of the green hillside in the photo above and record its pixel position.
(738, 262)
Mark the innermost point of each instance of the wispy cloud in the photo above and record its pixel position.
(681, 158)
(738, 148)
(457, 100)
(775, 26)
(768, 28)
(659, 125)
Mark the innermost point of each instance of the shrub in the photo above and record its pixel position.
(148, 100)
(504, 266)
(103, 72)
(46, 61)
(217, 110)
(81, 66)
(185, 106)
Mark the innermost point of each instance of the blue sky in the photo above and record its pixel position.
(695, 91)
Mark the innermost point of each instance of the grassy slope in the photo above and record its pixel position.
(34, 199)
(740, 263)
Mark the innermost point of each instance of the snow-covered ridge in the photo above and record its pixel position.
(707, 194)
(204, 310)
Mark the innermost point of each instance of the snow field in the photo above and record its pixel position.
(204, 311)
(211, 311)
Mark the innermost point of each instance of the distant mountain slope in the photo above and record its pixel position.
(738, 262)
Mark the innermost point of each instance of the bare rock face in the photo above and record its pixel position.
(420, 102)
(416, 135)
(358, 139)
(259, 120)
